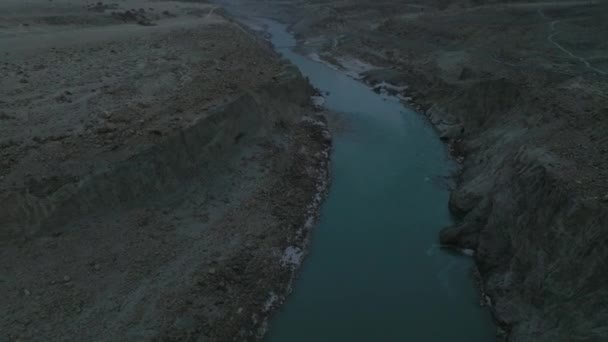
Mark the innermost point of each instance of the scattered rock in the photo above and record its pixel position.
(155, 132)
(101, 7)
(145, 22)
(133, 16)
(168, 14)
(106, 129)
(63, 98)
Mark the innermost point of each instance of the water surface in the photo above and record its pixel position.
(374, 272)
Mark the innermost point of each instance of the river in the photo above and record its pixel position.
(375, 271)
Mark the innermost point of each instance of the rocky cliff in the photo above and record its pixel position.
(541, 239)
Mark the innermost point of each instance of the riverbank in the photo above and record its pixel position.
(518, 91)
(161, 171)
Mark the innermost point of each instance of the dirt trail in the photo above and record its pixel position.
(555, 32)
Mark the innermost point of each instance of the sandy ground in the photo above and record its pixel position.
(158, 179)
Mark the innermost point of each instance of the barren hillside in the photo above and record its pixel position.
(146, 148)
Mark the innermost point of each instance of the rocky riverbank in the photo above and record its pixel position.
(518, 90)
(161, 171)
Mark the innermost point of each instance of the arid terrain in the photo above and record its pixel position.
(520, 92)
(161, 167)
(160, 170)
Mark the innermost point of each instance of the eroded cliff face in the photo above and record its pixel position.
(540, 236)
(541, 249)
(158, 181)
(192, 153)
(196, 237)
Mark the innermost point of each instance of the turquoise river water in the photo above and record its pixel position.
(374, 271)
